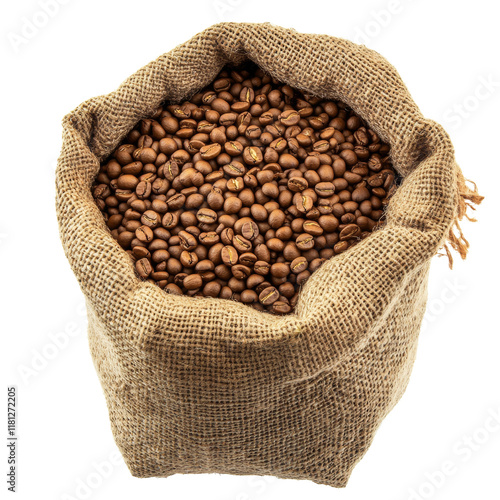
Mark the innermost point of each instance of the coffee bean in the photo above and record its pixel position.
(192, 282)
(279, 270)
(240, 271)
(290, 117)
(288, 161)
(144, 233)
(360, 194)
(248, 259)
(234, 169)
(250, 230)
(127, 182)
(235, 184)
(297, 184)
(258, 212)
(187, 240)
(229, 255)
(249, 296)
(305, 241)
(269, 295)
(170, 220)
(206, 215)
(328, 223)
(262, 267)
(298, 265)
(324, 189)
(209, 238)
(312, 227)
(350, 231)
(227, 236)
(176, 201)
(236, 285)
(215, 199)
(252, 155)
(141, 252)
(212, 289)
(277, 218)
(241, 243)
(143, 267)
(150, 218)
(304, 203)
(188, 259)
(210, 151)
(173, 289)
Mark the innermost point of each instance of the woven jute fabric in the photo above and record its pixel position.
(198, 385)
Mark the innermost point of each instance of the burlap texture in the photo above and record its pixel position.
(208, 385)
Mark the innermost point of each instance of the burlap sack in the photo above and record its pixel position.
(208, 385)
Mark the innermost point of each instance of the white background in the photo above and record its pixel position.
(446, 52)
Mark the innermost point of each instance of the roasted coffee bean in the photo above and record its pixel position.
(305, 241)
(298, 265)
(229, 255)
(258, 212)
(143, 267)
(236, 285)
(240, 271)
(275, 244)
(277, 218)
(304, 203)
(249, 296)
(268, 296)
(248, 259)
(176, 201)
(170, 220)
(241, 243)
(235, 184)
(324, 189)
(280, 270)
(187, 258)
(290, 117)
(144, 234)
(227, 235)
(297, 184)
(250, 230)
(245, 191)
(141, 252)
(280, 307)
(206, 215)
(173, 289)
(150, 218)
(252, 155)
(210, 151)
(328, 223)
(192, 282)
(212, 289)
(349, 232)
(187, 240)
(234, 169)
(262, 267)
(312, 227)
(360, 194)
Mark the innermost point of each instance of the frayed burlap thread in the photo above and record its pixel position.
(197, 385)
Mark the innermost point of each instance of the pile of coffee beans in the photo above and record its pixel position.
(244, 190)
